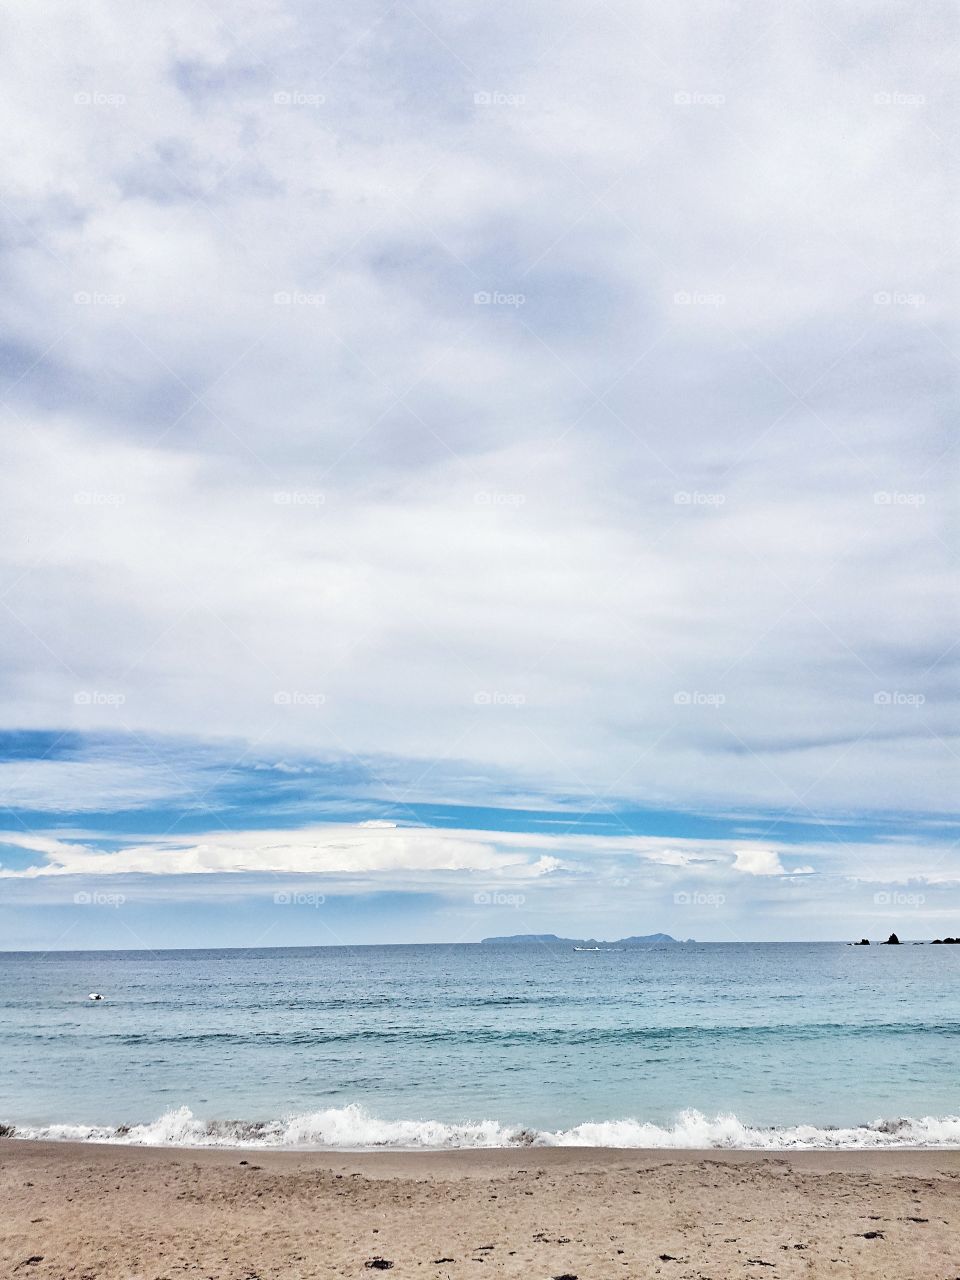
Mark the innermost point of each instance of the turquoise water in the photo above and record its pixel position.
(742, 1045)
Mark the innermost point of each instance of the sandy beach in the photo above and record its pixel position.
(123, 1213)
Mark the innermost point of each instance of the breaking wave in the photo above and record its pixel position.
(354, 1128)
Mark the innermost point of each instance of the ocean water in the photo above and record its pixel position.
(764, 1045)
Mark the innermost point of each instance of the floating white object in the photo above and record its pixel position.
(94, 995)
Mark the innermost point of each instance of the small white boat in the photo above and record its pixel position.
(94, 995)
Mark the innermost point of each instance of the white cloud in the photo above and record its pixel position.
(399, 501)
(546, 865)
(758, 862)
(766, 862)
(373, 849)
(314, 850)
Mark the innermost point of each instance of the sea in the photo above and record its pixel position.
(768, 1046)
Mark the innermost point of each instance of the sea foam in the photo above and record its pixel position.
(355, 1128)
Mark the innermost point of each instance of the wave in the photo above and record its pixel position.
(354, 1128)
(462, 1036)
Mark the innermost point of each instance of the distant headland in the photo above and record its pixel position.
(551, 939)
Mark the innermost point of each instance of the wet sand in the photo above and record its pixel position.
(88, 1212)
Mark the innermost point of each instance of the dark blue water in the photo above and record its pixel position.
(766, 1044)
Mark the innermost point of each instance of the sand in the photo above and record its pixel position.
(133, 1213)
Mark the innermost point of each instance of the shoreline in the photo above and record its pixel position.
(819, 1159)
(112, 1212)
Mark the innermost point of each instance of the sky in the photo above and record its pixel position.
(477, 469)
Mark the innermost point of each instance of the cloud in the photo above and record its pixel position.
(80, 785)
(766, 862)
(758, 862)
(375, 848)
(365, 849)
(558, 400)
(546, 865)
(356, 850)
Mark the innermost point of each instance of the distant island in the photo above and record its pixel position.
(529, 939)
